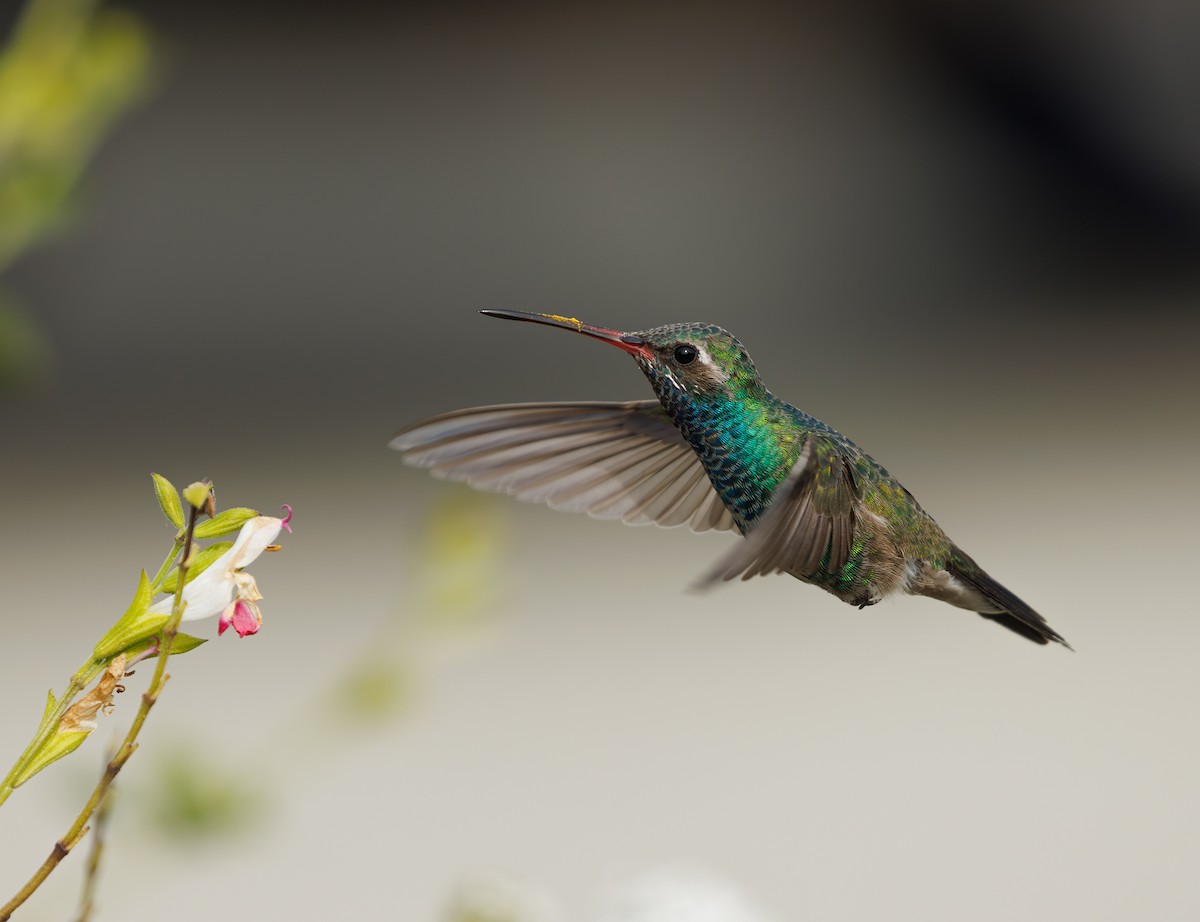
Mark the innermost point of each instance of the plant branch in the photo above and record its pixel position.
(166, 564)
(128, 746)
(87, 899)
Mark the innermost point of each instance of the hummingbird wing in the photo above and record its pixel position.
(811, 514)
(622, 461)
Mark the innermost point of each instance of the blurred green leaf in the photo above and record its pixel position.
(67, 73)
(463, 549)
(194, 797)
(26, 357)
(374, 690)
(494, 897)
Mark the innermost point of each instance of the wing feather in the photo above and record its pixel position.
(611, 460)
(810, 516)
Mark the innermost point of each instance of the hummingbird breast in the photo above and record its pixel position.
(749, 441)
(747, 447)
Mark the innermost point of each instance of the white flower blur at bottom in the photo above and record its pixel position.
(223, 589)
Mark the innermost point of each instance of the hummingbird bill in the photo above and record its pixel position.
(717, 451)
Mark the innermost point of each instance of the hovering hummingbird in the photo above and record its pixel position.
(718, 451)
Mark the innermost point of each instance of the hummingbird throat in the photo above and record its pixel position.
(740, 439)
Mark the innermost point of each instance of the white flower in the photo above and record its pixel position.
(223, 588)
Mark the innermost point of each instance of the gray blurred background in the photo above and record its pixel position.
(965, 236)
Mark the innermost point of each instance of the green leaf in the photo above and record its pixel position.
(132, 626)
(225, 523)
(184, 643)
(133, 638)
(50, 702)
(168, 500)
(141, 597)
(57, 746)
(200, 562)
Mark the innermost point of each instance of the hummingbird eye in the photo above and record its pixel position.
(685, 353)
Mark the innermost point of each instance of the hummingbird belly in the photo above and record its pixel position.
(876, 569)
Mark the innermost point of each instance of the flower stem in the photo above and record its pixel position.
(166, 564)
(128, 746)
(87, 900)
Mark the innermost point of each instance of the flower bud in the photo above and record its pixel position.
(198, 495)
(168, 500)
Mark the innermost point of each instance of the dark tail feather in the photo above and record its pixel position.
(1040, 634)
(1016, 616)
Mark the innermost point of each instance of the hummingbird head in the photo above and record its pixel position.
(696, 361)
(693, 362)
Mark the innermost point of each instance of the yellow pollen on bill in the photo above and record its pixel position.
(573, 321)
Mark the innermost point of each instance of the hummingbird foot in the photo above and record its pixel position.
(865, 598)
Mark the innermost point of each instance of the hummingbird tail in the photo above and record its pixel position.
(1012, 613)
(1037, 634)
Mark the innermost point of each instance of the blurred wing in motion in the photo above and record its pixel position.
(611, 460)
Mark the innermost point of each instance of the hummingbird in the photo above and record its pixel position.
(718, 451)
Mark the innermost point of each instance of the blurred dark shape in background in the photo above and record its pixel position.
(1090, 107)
(344, 186)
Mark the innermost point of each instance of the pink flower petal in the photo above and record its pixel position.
(246, 619)
(226, 618)
(287, 518)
